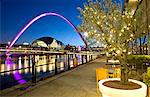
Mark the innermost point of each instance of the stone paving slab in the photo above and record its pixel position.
(80, 82)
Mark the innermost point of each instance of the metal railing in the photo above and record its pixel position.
(34, 67)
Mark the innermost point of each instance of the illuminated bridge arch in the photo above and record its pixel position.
(9, 62)
(40, 16)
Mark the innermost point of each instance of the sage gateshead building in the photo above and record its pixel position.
(48, 42)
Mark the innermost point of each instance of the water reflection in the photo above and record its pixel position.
(17, 68)
(16, 74)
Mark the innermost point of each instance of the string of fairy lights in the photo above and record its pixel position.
(105, 22)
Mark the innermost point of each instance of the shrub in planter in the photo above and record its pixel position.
(138, 59)
(135, 75)
(146, 77)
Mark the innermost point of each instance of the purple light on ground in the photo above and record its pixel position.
(2, 54)
(17, 76)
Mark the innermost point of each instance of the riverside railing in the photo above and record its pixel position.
(38, 66)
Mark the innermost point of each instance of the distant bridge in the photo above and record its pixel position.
(33, 51)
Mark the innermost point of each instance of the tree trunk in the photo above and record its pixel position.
(124, 75)
(124, 69)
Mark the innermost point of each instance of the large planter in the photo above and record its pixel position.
(112, 92)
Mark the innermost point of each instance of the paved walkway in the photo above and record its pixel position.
(78, 83)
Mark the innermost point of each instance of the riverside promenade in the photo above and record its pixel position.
(78, 82)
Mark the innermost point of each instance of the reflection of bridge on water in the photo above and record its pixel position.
(34, 65)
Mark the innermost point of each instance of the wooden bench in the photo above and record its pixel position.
(102, 73)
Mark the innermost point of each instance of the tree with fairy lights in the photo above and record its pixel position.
(105, 22)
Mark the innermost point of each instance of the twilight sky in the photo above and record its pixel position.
(15, 14)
